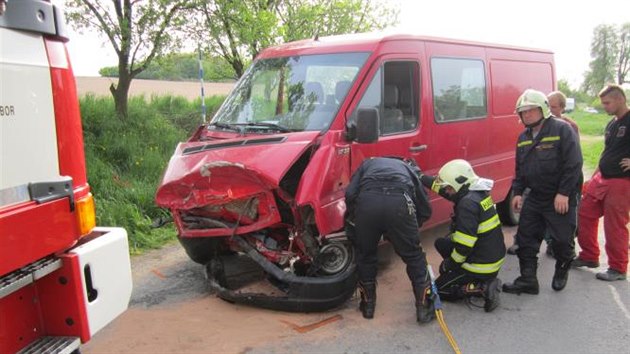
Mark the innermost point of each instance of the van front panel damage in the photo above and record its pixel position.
(237, 197)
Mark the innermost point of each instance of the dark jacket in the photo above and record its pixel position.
(389, 173)
(617, 147)
(475, 230)
(550, 163)
(479, 246)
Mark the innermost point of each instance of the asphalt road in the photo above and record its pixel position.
(172, 311)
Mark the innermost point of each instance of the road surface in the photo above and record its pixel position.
(172, 311)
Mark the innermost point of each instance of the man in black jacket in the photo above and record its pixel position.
(549, 163)
(385, 198)
(474, 250)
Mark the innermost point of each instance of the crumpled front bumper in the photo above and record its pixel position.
(301, 293)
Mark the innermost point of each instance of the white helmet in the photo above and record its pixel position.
(533, 99)
(456, 173)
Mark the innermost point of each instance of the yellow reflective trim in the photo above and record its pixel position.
(435, 186)
(487, 203)
(524, 142)
(457, 257)
(489, 224)
(550, 138)
(483, 268)
(466, 240)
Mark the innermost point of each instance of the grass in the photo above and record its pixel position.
(125, 160)
(592, 126)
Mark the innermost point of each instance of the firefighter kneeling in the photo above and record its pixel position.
(474, 251)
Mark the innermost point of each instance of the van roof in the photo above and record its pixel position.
(366, 42)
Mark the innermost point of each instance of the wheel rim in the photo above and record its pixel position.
(336, 258)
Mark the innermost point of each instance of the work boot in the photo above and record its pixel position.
(579, 262)
(561, 275)
(491, 294)
(368, 299)
(610, 275)
(526, 283)
(425, 307)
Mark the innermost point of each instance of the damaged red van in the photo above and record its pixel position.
(265, 179)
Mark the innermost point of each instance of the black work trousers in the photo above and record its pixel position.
(451, 282)
(381, 213)
(538, 215)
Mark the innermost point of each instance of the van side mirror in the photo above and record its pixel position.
(367, 130)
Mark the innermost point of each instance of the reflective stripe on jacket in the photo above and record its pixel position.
(550, 163)
(478, 237)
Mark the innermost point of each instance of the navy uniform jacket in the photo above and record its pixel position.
(549, 163)
(383, 172)
(476, 230)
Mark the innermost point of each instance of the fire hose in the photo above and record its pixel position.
(440, 316)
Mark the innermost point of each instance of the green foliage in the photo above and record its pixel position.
(591, 151)
(239, 30)
(305, 19)
(181, 66)
(139, 32)
(610, 57)
(590, 123)
(592, 126)
(126, 159)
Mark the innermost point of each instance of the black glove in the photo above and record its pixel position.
(448, 265)
(350, 231)
(349, 227)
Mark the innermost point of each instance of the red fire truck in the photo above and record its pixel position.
(61, 278)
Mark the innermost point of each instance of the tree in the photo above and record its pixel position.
(139, 32)
(307, 19)
(239, 30)
(563, 86)
(610, 53)
(623, 64)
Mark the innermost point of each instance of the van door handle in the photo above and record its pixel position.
(418, 148)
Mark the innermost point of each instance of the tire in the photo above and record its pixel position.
(203, 249)
(508, 216)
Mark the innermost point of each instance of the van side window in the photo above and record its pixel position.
(459, 89)
(394, 92)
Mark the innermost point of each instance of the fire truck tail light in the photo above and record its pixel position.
(86, 214)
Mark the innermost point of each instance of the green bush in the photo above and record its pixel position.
(125, 159)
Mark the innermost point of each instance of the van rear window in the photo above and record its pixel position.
(459, 89)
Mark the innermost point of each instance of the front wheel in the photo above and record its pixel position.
(507, 214)
(335, 257)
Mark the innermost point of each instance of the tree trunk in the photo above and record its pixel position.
(121, 94)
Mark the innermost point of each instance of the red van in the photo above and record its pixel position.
(266, 177)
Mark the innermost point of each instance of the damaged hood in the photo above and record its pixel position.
(219, 171)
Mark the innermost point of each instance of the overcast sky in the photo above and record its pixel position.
(564, 27)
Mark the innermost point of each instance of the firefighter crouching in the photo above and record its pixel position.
(385, 198)
(475, 250)
(549, 163)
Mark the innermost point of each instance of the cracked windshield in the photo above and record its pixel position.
(290, 94)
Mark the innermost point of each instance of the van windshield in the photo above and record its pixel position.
(290, 93)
